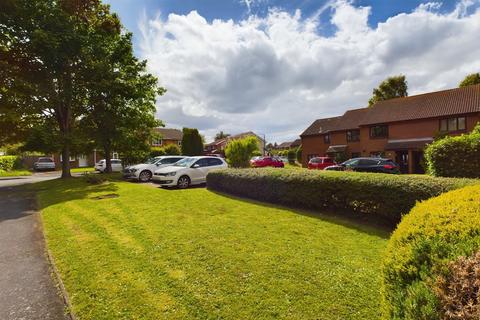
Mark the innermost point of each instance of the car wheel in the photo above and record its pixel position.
(145, 176)
(183, 182)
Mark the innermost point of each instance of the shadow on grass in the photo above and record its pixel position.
(63, 190)
(360, 222)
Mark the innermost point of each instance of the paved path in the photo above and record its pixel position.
(27, 290)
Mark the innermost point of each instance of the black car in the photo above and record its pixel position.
(379, 165)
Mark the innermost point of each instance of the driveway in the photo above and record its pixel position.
(27, 289)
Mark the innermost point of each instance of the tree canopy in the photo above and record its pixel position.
(68, 75)
(471, 79)
(221, 135)
(392, 87)
(192, 144)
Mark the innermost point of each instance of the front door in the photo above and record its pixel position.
(418, 162)
(82, 161)
(402, 159)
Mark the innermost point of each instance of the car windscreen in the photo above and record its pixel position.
(187, 162)
(152, 160)
(45, 160)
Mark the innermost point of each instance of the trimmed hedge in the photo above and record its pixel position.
(382, 195)
(457, 156)
(420, 269)
(9, 163)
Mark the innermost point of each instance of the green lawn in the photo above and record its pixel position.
(81, 170)
(15, 173)
(193, 254)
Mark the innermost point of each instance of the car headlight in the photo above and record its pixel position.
(171, 174)
(133, 170)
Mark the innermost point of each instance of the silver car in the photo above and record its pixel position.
(44, 163)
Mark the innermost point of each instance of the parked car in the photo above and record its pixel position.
(262, 162)
(44, 163)
(143, 172)
(378, 165)
(188, 171)
(101, 165)
(320, 163)
(283, 159)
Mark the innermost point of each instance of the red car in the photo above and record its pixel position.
(260, 162)
(320, 163)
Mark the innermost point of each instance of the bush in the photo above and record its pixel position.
(240, 151)
(156, 152)
(172, 150)
(455, 156)
(257, 153)
(299, 154)
(384, 196)
(419, 278)
(9, 163)
(291, 156)
(192, 144)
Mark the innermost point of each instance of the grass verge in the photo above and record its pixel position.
(128, 251)
(15, 173)
(81, 170)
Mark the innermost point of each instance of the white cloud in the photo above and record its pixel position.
(275, 75)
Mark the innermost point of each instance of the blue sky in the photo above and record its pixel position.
(274, 66)
(131, 11)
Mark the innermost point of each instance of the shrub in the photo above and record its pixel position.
(459, 290)
(192, 144)
(9, 163)
(291, 156)
(382, 195)
(172, 150)
(299, 154)
(418, 276)
(257, 153)
(240, 151)
(156, 152)
(455, 156)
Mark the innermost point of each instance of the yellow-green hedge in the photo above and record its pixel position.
(435, 233)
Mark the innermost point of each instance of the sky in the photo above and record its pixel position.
(274, 66)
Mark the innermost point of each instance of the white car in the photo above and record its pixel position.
(143, 172)
(187, 172)
(44, 163)
(101, 165)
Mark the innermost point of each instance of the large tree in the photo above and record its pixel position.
(392, 87)
(469, 80)
(43, 52)
(121, 96)
(221, 135)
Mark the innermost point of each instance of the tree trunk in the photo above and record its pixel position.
(66, 162)
(108, 162)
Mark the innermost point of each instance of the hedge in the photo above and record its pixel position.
(9, 163)
(457, 156)
(385, 196)
(430, 256)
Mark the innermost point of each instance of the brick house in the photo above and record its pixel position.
(218, 146)
(167, 136)
(397, 128)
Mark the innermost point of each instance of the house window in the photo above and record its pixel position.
(453, 124)
(353, 135)
(356, 154)
(380, 131)
(326, 138)
(157, 142)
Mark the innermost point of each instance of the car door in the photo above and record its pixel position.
(116, 165)
(367, 165)
(215, 163)
(198, 171)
